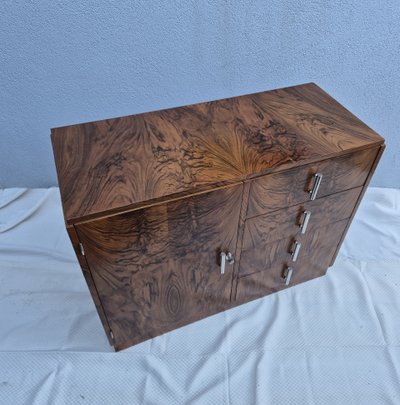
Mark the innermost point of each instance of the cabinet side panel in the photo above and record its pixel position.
(373, 167)
(89, 281)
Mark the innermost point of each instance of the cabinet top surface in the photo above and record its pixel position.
(123, 163)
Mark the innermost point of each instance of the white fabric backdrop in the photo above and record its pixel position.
(333, 340)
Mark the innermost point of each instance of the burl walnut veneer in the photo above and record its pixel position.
(178, 214)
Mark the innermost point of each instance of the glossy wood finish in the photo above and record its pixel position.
(315, 256)
(157, 269)
(241, 225)
(364, 189)
(283, 228)
(268, 193)
(287, 221)
(90, 282)
(151, 200)
(124, 163)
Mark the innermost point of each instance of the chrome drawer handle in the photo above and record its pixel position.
(296, 250)
(317, 182)
(304, 224)
(225, 257)
(287, 275)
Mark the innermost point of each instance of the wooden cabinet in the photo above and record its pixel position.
(178, 214)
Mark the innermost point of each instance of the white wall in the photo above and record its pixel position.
(64, 62)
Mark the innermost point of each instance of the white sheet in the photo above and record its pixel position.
(334, 340)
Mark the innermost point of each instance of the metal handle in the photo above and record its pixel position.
(287, 275)
(304, 224)
(296, 250)
(225, 257)
(317, 182)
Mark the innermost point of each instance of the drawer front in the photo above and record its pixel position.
(289, 221)
(157, 269)
(270, 237)
(313, 261)
(291, 187)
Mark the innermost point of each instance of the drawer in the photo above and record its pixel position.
(257, 285)
(270, 192)
(313, 261)
(262, 256)
(266, 237)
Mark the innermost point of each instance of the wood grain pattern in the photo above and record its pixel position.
(114, 165)
(154, 198)
(364, 189)
(240, 233)
(314, 259)
(90, 282)
(286, 221)
(270, 238)
(291, 187)
(157, 269)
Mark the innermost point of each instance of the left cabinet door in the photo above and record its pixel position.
(157, 269)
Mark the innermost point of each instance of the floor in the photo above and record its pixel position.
(333, 340)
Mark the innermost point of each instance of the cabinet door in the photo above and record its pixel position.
(157, 269)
